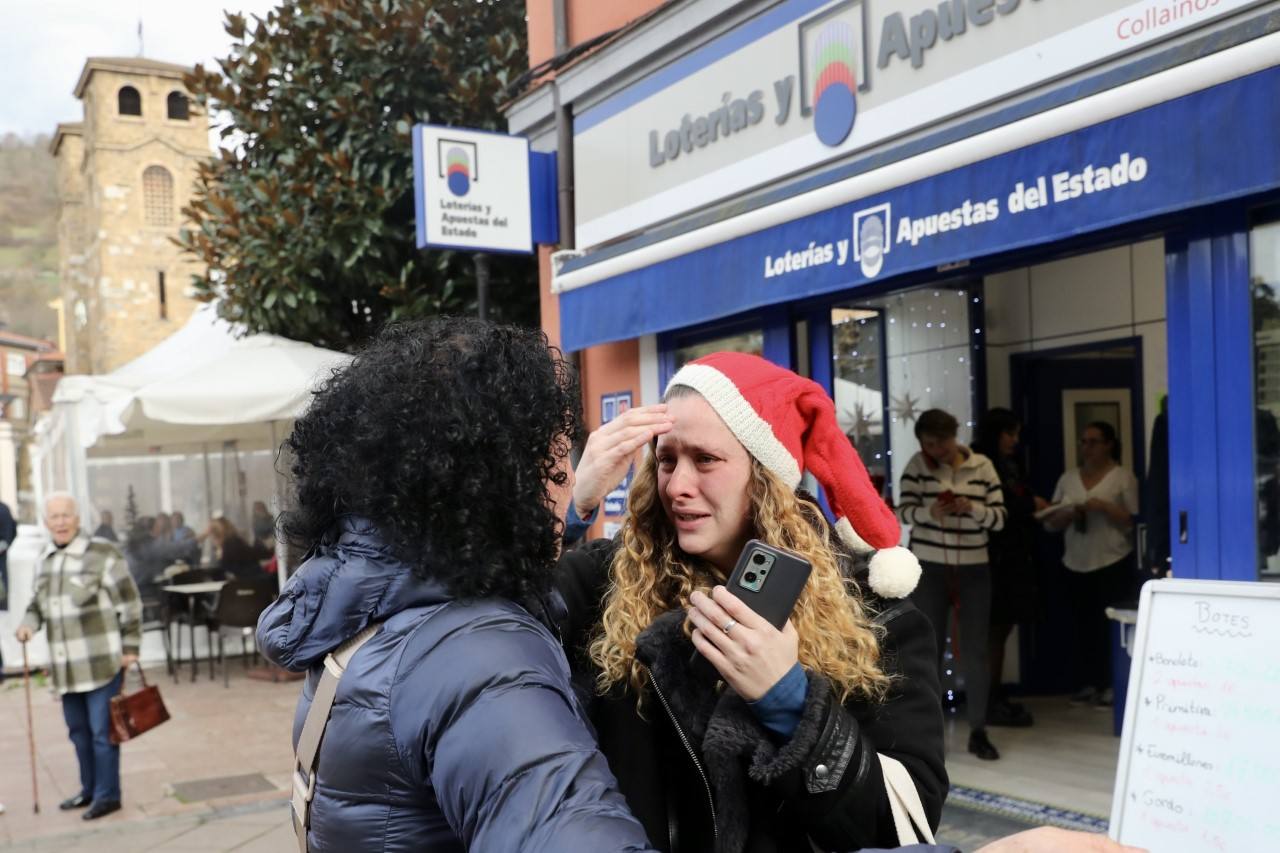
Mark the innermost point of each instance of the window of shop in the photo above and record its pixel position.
(858, 380)
(1264, 278)
(750, 341)
(898, 355)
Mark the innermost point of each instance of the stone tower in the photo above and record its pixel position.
(124, 172)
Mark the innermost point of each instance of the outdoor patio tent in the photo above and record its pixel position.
(208, 384)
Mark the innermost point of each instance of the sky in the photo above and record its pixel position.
(44, 43)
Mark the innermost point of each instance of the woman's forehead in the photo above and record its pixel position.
(696, 424)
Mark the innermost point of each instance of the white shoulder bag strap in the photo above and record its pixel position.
(304, 772)
(904, 802)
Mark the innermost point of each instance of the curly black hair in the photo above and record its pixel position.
(445, 433)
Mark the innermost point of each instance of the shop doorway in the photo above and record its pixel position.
(1057, 392)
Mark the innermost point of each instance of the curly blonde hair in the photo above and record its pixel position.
(650, 576)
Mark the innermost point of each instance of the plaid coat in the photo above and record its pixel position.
(86, 597)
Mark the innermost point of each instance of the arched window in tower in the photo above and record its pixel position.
(178, 108)
(157, 195)
(129, 101)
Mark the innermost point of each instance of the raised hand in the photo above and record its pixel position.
(611, 449)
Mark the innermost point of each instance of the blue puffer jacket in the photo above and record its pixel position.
(454, 728)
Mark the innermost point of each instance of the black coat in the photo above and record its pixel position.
(1011, 549)
(695, 751)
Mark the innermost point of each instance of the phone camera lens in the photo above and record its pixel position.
(758, 559)
(750, 577)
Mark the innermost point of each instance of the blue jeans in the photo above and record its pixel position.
(88, 719)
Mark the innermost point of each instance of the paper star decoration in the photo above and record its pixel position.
(861, 427)
(905, 408)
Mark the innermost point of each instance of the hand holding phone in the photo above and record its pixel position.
(942, 504)
(760, 644)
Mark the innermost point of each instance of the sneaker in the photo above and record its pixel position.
(1084, 696)
(981, 746)
(1105, 699)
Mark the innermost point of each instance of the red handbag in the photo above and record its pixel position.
(135, 713)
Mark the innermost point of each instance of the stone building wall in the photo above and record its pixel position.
(125, 230)
(76, 287)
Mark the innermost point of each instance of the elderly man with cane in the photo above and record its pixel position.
(88, 601)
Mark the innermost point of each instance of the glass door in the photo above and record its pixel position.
(895, 356)
(1264, 280)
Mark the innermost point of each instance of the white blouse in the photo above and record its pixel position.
(1102, 542)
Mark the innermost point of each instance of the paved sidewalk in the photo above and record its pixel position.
(185, 783)
(254, 828)
(264, 828)
(222, 748)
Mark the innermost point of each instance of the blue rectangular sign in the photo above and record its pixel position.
(1202, 148)
(611, 406)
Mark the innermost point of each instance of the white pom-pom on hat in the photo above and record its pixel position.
(894, 572)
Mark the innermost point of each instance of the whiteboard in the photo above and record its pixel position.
(1200, 755)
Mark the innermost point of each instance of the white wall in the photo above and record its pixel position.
(1114, 293)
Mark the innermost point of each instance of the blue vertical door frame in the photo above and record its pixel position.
(1212, 491)
(820, 352)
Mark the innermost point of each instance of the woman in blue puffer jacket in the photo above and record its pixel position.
(432, 478)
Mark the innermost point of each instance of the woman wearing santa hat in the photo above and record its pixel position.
(828, 732)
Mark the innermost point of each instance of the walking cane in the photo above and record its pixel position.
(31, 731)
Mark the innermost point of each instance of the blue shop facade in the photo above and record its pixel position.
(1077, 216)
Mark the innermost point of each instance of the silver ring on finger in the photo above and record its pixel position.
(729, 625)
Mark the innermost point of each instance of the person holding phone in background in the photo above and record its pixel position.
(952, 499)
(781, 742)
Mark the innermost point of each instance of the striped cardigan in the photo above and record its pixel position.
(955, 540)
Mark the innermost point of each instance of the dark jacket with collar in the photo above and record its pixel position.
(693, 751)
(454, 728)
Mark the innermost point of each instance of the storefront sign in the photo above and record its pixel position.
(472, 190)
(810, 81)
(611, 406)
(1169, 157)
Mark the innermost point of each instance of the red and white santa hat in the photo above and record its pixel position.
(788, 423)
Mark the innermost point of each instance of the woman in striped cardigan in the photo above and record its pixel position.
(951, 498)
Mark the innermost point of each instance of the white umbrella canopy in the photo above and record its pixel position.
(257, 380)
(243, 394)
(97, 402)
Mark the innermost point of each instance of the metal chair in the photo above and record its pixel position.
(240, 604)
(154, 618)
(176, 610)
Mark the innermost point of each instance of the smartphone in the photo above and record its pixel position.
(769, 580)
(946, 497)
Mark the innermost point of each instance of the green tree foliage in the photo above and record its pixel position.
(306, 217)
(28, 237)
